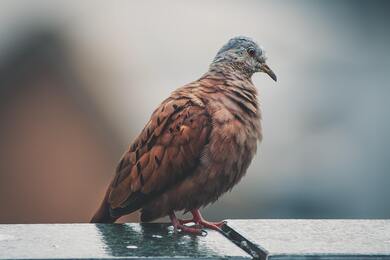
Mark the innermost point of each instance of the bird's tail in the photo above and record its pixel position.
(103, 215)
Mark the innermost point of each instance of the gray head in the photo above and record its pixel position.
(245, 55)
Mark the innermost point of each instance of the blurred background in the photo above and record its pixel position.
(79, 79)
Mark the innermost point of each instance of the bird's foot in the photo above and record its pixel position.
(189, 229)
(199, 224)
(203, 223)
(179, 225)
(198, 220)
(211, 225)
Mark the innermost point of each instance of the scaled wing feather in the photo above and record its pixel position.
(166, 152)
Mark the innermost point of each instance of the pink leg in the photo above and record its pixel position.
(198, 219)
(177, 224)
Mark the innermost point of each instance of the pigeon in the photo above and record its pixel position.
(196, 146)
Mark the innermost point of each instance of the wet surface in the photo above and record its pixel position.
(261, 239)
(106, 241)
(312, 239)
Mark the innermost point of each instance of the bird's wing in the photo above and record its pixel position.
(166, 152)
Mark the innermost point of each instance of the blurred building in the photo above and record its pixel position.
(56, 150)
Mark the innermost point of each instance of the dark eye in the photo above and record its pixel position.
(251, 52)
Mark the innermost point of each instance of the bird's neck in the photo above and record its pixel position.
(231, 69)
(234, 85)
(231, 77)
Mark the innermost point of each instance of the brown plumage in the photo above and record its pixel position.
(197, 144)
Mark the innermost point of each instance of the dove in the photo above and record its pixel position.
(196, 146)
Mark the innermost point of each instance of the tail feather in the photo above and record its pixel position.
(103, 215)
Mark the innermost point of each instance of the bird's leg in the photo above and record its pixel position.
(198, 219)
(177, 225)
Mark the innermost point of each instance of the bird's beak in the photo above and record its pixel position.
(264, 68)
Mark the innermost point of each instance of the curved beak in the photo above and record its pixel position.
(264, 68)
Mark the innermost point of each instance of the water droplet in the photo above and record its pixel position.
(170, 228)
(132, 247)
(186, 237)
(244, 243)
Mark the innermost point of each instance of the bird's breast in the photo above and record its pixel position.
(233, 139)
(225, 159)
(232, 145)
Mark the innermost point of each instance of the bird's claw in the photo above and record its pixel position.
(203, 223)
(200, 224)
(190, 230)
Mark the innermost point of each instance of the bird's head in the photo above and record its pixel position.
(244, 55)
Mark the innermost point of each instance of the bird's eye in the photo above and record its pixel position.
(251, 52)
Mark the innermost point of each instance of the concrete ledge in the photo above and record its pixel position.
(312, 239)
(241, 239)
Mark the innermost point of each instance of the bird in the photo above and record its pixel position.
(196, 146)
